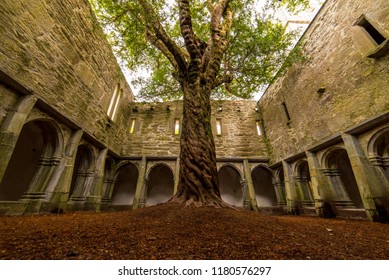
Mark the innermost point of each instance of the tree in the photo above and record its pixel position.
(198, 49)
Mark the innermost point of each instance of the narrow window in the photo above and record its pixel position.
(218, 127)
(177, 127)
(286, 112)
(132, 127)
(116, 105)
(111, 104)
(370, 29)
(259, 129)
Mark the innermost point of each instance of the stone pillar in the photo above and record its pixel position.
(57, 193)
(144, 193)
(37, 190)
(140, 186)
(365, 175)
(279, 188)
(108, 185)
(176, 176)
(250, 197)
(290, 191)
(320, 187)
(302, 190)
(381, 165)
(11, 128)
(246, 201)
(93, 200)
(82, 186)
(341, 199)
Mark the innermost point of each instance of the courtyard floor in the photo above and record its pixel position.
(172, 232)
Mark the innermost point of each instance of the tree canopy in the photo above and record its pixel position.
(148, 35)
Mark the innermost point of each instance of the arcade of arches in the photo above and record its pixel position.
(79, 175)
(73, 138)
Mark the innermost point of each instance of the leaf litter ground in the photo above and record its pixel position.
(171, 232)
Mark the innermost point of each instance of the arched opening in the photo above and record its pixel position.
(125, 185)
(230, 185)
(82, 173)
(381, 149)
(34, 150)
(342, 176)
(303, 182)
(279, 185)
(160, 185)
(263, 187)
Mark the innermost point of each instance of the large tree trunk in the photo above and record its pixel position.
(198, 181)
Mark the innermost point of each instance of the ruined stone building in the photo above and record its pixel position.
(72, 137)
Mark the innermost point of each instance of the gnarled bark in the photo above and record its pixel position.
(198, 181)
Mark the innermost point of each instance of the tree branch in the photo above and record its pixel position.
(225, 79)
(159, 33)
(187, 29)
(219, 33)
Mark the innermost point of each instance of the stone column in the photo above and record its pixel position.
(302, 190)
(341, 199)
(144, 193)
(108, 185)
(290, 191)
(365, 175)
(320, 187)
(250, 196)
(381, 165)
(176, 176)
(11, 128)
(57, 193)
(140, 186)
(246, 201)
(37, 190)
(82, 186)
(279, 188)
(93, 200)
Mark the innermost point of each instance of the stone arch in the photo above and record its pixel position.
(109, 179)
(338, 169)
(36, 153)
(279, 175)
(378, 150)
(232, 165)
(160, 184)
(123, 191)
(279, 184)
(230, 184)
(263, 181)
(302, 169)
(82, 172)
(303, 182)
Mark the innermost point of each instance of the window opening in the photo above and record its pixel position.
(259, 129)
(218, 127)
(177, 127)
(370, 29)
(286, 112)
(116, 105)
(132, 127)
(115, 93)
(113, 105)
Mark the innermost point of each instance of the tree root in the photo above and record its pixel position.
(215, 203)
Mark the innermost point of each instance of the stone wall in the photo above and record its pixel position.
(57, 50)
(154, 131)
(337, 87)
(8, 101)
